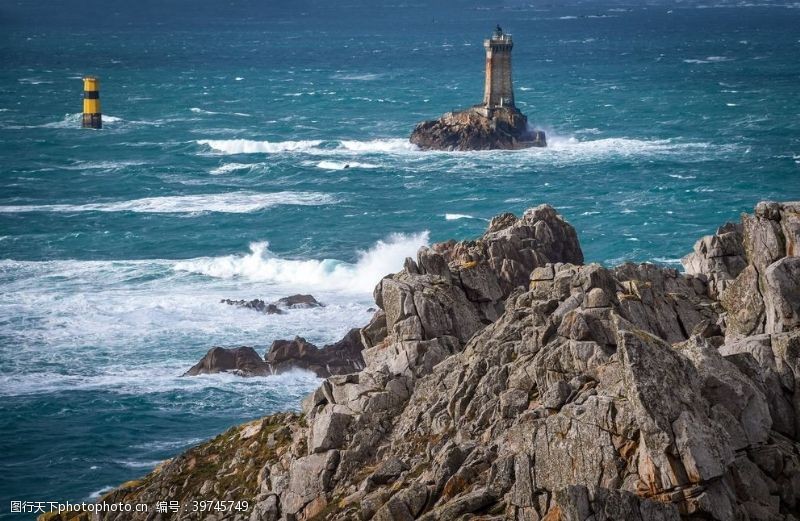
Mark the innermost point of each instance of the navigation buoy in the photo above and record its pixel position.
(92, 117)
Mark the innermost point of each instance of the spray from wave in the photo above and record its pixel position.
(261, 265)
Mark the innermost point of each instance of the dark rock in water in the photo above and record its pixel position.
(343, 357)
(243, 361)
(256, 304)
(274, 308)
(299, 301)
(505, 128)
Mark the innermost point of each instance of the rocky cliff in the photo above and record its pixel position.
(506, 128)
(504, 379)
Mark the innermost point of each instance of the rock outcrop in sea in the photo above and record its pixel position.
(505, 379)
(276, 308)
(470, 129)
(342, 357)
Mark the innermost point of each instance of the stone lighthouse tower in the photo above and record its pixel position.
(498, 90)
(494, 124)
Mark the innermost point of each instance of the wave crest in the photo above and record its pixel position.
(232, 202)
(261, 265)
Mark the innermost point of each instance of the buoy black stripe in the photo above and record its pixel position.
(91, 94)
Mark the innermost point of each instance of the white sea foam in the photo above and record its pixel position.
(576, 150)
(135, 464)
(342, 165)
(367, 76)
(33, 81)
(709, 59)
(198, 110)
(457, 216)
(94, 496)
(261, 265)
(666, 260)
(155, 380)
(247, 146)
(232, 167)
(379, 145)
(311, 147)
(168, 444)
(231, 202)
(74, 121)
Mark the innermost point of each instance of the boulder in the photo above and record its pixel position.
(299, 301)
(242, 361)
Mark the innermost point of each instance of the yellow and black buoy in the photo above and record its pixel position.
(92, 117)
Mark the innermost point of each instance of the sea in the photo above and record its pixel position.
(257, 149)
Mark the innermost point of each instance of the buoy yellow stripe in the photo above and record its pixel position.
(91, 106)
(91, 83)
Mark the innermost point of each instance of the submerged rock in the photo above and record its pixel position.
(504, 379)
(471, 129)
(256, 305)
(243, 361)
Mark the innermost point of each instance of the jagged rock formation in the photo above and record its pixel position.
(243, 361)
(471, 129)
(505, 380)
(343, 357)
(753, 267)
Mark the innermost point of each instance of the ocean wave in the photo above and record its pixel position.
(155, 380)
(136, 464)
(247, 146)
(231, 202)
(574, 149)
(560, 149)
(261, 265)
(311, 147)
(198, 110)
(709, 59)
(94, 496)
(73, 121)
(457, 216)
(233, 167)
(342, 165)
(33, 81)
(366, 76)
(379, 145)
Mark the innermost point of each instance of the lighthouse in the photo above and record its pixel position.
(498, 89)
(496, 123)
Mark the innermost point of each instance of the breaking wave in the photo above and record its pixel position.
(261, 265)
(560, 149)
(342, 165)
(247, 146)
(313, 147)
(457, 216)
(231, 202)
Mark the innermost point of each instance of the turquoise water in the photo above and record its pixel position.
(220, 174)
